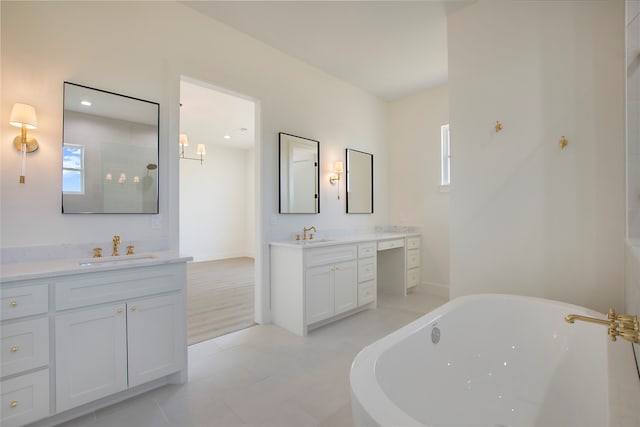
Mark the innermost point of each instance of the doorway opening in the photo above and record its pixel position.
(217, 208)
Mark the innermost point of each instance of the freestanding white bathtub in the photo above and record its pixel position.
(495, 360)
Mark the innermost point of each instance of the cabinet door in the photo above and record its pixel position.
(346, 286)
(91, 355)
(155, 330)
(318, 293)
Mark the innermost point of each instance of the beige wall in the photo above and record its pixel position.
(526, 217)
(414, 173)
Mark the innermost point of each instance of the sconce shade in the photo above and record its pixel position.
(339, 167)
(201, 150)
(23, 114)
(183, 140)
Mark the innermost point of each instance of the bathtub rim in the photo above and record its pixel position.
(365, 390)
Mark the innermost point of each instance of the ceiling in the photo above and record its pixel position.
(208, 115)
(388, 48)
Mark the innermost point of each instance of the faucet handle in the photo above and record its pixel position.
(130, 249)
(97, 252)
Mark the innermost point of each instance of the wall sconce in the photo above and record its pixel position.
(184, 142)
(24, 117)
(338, 167)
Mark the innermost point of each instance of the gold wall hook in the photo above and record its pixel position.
(563, 142)
(498, 126)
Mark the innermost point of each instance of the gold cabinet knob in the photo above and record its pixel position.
(13, 303)
(119, 310)
(134, 308)
(13, 403)
(14, 348)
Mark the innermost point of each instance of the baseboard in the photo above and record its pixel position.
(437, 289)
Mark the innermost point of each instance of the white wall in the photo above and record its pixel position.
(214, 204)
(526, 217)
(414, 173)
(633, 116)
(632, 252)
(141, 49)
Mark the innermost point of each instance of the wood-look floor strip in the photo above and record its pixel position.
(220, 297)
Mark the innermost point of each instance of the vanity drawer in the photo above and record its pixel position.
(366, 269)
(366, 292)
(413, 242)
(413, 258)
(98, 288)
(367, 249)
(21, 301)
(25, 345)
(413, 277)
(25, 399)
(390, 244)
(330, 255)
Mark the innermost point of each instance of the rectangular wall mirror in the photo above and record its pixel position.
(299, 174)
(359, 182)
(109, 152)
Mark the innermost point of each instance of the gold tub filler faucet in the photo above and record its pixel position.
(618, 325)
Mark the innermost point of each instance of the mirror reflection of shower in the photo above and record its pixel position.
(148, 187)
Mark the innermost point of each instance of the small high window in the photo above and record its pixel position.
(445, 156)
(72, 169)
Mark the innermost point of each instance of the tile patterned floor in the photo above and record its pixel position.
(266, 376)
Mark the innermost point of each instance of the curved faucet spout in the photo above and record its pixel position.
(573, 317)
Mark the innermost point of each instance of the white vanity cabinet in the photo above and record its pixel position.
(24, 339)
(127, 341)
(311, 286)
(78, 339)
(413, 261)
(91, 352)
(330, 290)
(367, 273)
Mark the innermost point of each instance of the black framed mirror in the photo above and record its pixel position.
(299, 174)
(359, 182)
(109, 152)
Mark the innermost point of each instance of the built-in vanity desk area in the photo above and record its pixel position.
(78, 335)
(315, 282)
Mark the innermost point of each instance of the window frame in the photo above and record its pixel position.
(81, 169)
(445, 158)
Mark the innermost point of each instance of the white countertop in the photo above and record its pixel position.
(30, 270)
(319, 241)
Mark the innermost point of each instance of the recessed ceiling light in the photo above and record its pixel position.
(87, 103)
(227, 137)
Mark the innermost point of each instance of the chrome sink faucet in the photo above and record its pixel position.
(304, 230)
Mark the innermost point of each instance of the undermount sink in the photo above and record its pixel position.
(312, 241)
(121, 259)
